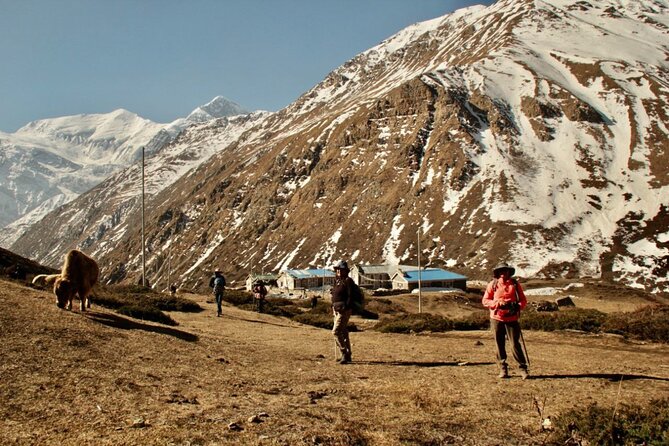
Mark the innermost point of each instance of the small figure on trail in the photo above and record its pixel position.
(343, 293)
(173, 290)
(314, 300)
(259, 293)
(217, 283)
(505, 299)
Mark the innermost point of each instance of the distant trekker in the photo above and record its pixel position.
(217, 283)
(259, 294)
(342, 307)
(505, 299)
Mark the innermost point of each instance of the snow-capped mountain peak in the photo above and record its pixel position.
(218, 107)
(49, 162)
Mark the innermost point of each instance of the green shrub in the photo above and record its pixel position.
(322, 308)
(319, 320)
(366, 314)
(649, 323)
(416, 323)
(281, 309)
(237, 297)
(633, 424)
(169, 303)
(384, 306)
(147, 314)
(570, 319)
(477, 321)
(142, 302)
(281, 302)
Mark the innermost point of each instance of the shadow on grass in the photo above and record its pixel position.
(614, 377)
(115, 321)
(424, 363)
(256, 321)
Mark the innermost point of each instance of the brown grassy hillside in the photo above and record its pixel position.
(101, 378)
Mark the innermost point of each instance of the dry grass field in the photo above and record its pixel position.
(99, 378)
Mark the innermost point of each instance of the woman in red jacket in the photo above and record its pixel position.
(505, 299)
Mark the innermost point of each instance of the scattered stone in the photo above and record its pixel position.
(463, 363)
(565, 301)
(223, 361)
(234, 426)
(320, 357)
(478, 343)
(139, 423)
(547, 424)
(254, 419)
(546, 306)
(178, 398)
(315, 395)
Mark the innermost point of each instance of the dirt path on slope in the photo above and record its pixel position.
(102, 378)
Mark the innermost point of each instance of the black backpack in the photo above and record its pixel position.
(219, 284)
(357, 298)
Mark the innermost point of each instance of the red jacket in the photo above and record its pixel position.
(500, 294)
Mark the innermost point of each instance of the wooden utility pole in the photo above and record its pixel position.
(169, 270)
(419, 276)
(143, 249)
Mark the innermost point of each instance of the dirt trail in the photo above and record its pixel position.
(101, 378)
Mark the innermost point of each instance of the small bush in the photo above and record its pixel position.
(281, 309)
(477, 321)
(384, 306)
(649, 323)
(322, 308)
(177, 304)
(319, 320)
(416, 323)
(632, 425)
(570, 319)
(238, 298)
(142, 302)
(146, 314)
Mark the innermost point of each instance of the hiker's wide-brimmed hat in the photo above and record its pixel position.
(498, 270)
(342, 265)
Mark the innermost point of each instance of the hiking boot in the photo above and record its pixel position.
(346, 359)
(524, 374)
(503, 372)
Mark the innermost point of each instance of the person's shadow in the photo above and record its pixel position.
(615, 377)
(424, 363)
(115, 321)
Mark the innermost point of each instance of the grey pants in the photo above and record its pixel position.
(340, 331)
(511, 329)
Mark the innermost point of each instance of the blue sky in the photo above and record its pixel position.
(162, 58)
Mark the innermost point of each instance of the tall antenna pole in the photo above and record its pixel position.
(143, 250)
(169, 269)
(419, 276)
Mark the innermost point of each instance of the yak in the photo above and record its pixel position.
(78, 276)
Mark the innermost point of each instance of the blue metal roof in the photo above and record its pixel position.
(431, 274)
(310, 272)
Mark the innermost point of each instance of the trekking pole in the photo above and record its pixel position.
(527, 357)
(522, 338)
(335, 349)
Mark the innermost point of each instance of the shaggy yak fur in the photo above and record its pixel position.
(78, 276)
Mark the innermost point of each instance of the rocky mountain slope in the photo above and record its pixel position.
(49, 162)
(528, 131)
